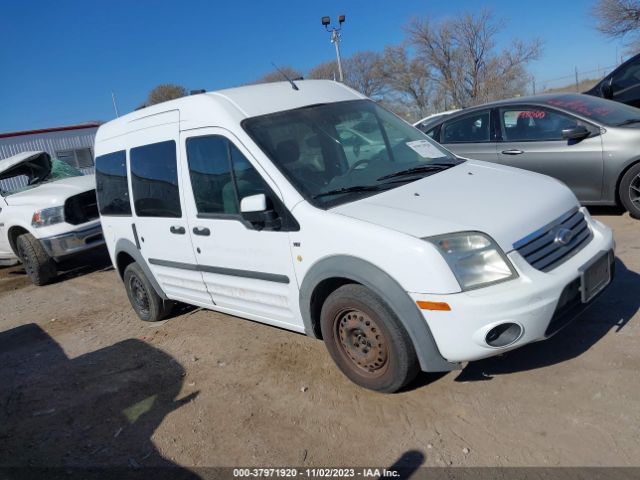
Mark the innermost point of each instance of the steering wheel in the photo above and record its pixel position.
(364, 161)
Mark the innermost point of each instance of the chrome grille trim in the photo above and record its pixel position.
(540, 248)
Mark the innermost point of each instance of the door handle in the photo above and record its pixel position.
(513, 151)
(177, 230)
(204, 231)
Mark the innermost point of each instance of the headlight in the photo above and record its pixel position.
(474, 258)
(47, 216)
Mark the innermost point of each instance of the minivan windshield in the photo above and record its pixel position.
(337, 152)
(23, 177)
(605, 112)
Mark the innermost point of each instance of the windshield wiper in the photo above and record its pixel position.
(352, 189)
(628, 121)
(432, 167)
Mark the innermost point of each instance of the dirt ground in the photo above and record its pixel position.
(84, 382)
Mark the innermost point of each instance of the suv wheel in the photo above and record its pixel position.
(37, 263)
(148, 305)
(366, 340)
(630, 191)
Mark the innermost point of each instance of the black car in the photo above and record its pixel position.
(622, 85)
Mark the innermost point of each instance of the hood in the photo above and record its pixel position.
(505, 203)
(52, 194)
(36, 164)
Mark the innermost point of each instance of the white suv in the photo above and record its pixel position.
(48, 213)
(401, 257)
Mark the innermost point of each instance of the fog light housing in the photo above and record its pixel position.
(503, 334)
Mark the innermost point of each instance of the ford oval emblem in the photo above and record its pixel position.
(563, 236)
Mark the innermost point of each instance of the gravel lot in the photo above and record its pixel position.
(84, 382)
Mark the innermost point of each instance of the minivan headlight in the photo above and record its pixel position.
(474, 258)
(47, 216)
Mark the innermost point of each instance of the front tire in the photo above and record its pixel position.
(630, 191)
(147, 304)
(40, 267)
(366, 340)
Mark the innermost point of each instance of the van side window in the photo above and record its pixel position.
(210, 161)
(154, 180)
(112, 188)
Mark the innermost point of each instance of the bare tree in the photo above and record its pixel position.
(619, 19)
(324, 71)
(276, 76)
(164, 92)
(363, 72)
(410, 89)
(462, 57)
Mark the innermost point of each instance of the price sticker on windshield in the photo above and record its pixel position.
(425, 149)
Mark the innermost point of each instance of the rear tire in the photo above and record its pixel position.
(630, 191)
(147, 304)
(366, 340)
(40, 267)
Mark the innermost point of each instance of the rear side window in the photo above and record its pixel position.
(524, 124)
(112, 188)
(473, 128)
(154, 180)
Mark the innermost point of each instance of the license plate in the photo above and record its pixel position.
(595, 276)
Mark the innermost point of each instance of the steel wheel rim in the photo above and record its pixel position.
(634, 190)
(139, 295)
(361, 342)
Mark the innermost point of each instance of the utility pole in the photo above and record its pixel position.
(335, 39)
(577, 83)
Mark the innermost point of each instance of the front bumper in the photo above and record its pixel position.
(70, 243)
(541, 303)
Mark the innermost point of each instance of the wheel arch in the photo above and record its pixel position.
(329, 273)
(125, 253)
(13, 233)
(621, 175)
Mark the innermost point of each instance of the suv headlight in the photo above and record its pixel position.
(47, 216)
(474, 258)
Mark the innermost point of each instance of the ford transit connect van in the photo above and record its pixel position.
(266, 202)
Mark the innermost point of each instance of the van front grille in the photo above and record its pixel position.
(554, 244)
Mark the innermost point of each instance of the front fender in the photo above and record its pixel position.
(382, 284)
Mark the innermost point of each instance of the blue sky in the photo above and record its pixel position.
(61, 60)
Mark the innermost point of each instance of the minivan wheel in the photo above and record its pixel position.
(630, 191)
(40, 267)
(149, 306)
(366, 340)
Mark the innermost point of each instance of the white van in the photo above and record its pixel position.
(400, 256)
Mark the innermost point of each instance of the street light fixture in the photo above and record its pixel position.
(335, 39)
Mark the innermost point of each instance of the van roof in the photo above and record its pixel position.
(236, 104)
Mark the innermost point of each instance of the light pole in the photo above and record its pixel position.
(335, 39)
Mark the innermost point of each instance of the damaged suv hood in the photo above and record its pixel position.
(33, 164)
(503, 202)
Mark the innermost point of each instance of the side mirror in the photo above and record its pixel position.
(607, 88)
(254, 209)
(253, 203)
(576, 133)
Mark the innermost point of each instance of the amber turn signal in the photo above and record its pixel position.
(442, 306)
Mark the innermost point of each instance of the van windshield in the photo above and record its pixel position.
(337, 152)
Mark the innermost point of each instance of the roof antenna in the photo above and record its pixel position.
(293, 85)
